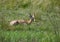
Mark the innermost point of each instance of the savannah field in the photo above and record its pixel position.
(45, 28)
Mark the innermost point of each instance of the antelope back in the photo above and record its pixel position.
(22, 21)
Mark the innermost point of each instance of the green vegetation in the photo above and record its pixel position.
(46, 28)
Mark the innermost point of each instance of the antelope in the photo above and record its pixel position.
(15, 22)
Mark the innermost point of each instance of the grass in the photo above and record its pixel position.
(46, 28)
(27, 36)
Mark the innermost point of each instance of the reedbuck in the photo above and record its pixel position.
(15, 22)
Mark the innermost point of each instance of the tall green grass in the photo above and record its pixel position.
(46, 28)
(26, 36)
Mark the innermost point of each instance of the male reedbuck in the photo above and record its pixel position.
(15, 22)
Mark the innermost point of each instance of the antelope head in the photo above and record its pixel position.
(32, 18)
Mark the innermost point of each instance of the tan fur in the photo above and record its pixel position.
(15, 22)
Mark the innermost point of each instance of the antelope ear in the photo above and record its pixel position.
(33, 16)
(30, 15)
